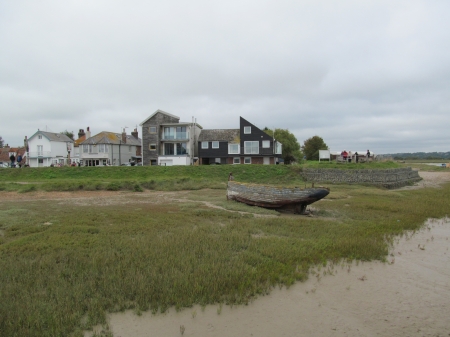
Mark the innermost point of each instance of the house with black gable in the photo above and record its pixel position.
(246, 145)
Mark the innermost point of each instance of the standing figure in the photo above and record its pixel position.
(230, 177)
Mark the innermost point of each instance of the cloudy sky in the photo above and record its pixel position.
(360, 74)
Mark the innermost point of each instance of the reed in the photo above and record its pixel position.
(65, 264)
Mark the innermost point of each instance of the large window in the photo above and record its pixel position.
(102, 148)
(40, 150)
(247, 129)
(178, 132)
(204, 145)
(233, 148)
(266, 144)
(85, 148)
(171, 149)
(215, 145)
(278, 148)
(251, 147)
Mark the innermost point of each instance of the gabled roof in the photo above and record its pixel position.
(221, 135)
(159, 111)
(78, 141)
(106, 137)
(53, 136)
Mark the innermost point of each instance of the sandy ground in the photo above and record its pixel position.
(407, 296)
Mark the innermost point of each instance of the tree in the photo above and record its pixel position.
(291, 148)
(1, 142)
(311, 147)
(68, 134)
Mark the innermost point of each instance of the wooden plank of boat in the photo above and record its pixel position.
(283, 198)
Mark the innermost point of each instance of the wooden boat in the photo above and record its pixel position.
(280, 198)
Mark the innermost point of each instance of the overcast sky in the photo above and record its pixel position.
(360, 74)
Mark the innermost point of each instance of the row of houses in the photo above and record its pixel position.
(165, 141)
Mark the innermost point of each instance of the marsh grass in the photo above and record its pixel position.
(64, 267)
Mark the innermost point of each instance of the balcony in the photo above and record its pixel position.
(40, 154)
(176, 136)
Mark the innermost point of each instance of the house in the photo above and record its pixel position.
(76, 144)
(167, 141)
(246, 145)
(49, 148)
(109, 148)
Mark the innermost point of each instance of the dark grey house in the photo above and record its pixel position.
(167, 141)
(246, 145)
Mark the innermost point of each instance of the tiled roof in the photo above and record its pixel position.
(221, 135)
(106, 137)
(55, 137)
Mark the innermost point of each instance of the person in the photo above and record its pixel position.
(230, 177)
(368, 154)
(356, 156)
(13, 159)
(19, 161)
(349, 156)
(344, 155)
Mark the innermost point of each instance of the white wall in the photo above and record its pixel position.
(176, 160)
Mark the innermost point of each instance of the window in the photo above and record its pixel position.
(152, 129)
(215, 145)
(171, 149)
(251, 147)
(152, 147)
(278, 148)
(104, 162)
(247, 130)
(101, 148)
(247, 160)
(85, 148)
(40, 161)
(236, 160)
(204, 145)
(217, 160)
(233, 148)
(266, 144)
(40, 150)
(91, 148)
(40, 137)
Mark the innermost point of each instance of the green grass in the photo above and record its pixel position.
(146, 177)
(65, 263)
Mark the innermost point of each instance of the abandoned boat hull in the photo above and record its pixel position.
(280, 198)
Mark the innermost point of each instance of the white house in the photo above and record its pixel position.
(47, 148)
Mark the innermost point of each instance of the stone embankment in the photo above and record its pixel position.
(388, 178)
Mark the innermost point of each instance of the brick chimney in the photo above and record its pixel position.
(124, 136)
(81, 133)
(135, 133)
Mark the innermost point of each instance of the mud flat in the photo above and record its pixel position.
(409, 295)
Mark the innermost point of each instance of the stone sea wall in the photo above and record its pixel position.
(388, 178)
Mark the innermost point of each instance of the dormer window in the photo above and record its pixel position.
(247, 130)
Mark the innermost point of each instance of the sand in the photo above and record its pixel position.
(407, 296)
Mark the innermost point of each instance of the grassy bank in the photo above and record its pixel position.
(139, 178)
(65, 263)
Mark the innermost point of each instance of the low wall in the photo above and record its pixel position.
(389, 178)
